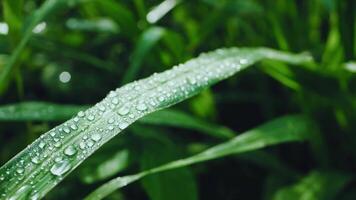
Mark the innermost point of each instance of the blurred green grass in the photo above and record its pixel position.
(103, 44)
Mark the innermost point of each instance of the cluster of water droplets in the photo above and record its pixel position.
(63, 148)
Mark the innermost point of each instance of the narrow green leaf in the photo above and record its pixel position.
(281, 130)
(38, 111)
(175, 118)
(175, 185)
(45, 162)
(105, 169)
(315, 186)
(44, 111)
(146, 42)
(12, 10)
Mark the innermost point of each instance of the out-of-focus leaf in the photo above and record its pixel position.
(47, 7)
(119, 13)
(177, 184)
(105, 25)
(315, 186)
(12, 10)
(146, 42)
(203, 105)
(281, 130)
(175, 118)
(350, 66)
(160, 10)
(38, 111)
(105, 169)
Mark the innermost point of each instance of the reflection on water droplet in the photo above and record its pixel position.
(82, 145)
(20, 170)
(96, 137)
(141, 106)
(57, 144)
(74, 127)
(70, 151)
(123, 125)
(66, 130)
(91, 117)
(60, 168)
(102, 108)
(81, 114)
(90, 143)
(42, 145)
(35, 160)
(123, 110)
(115, 101)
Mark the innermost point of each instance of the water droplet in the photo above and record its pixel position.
(90, 143)
(161, 98)
(60, 168)
(91, 117)
(111, 127)
(42, 145)
(20, 170)
(123, 125)
(74, 127)
(82, 145)
(70, 151)
(112, 94)
(81, 114)
(35, 160)
(53, 133)
(58, 159)
(67, 130)
(57, 144)
(111, 121)
(243, 61)
(141, 106)
(96, 137)
(123, 110)
(115, 101)
(102, 108)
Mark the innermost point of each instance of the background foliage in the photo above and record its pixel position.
(75, 51)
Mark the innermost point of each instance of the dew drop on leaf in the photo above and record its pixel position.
(70, 151)
(91, 117)
(42, 145)
(141, 106)
(123, 111)
(96, 137)
(81, 114)
(60, 168)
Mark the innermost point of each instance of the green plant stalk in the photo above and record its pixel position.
(44, 163)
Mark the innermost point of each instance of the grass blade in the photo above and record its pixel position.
(146, 42)
(45, 162)
(175, 118)
(316, 185)
(38, 111)
(44, 111)
(281, 130)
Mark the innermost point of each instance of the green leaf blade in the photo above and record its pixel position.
(44, 163)
(285, 129)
